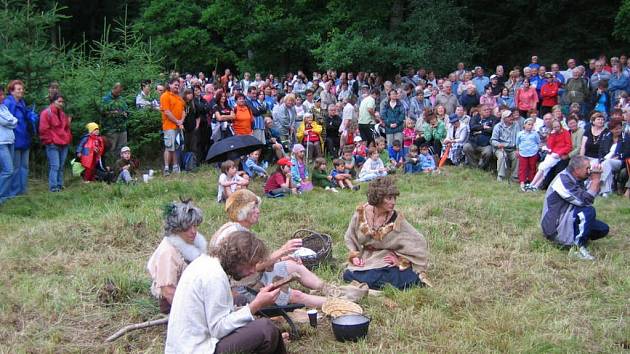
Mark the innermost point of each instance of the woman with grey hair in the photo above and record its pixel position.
(181, 245)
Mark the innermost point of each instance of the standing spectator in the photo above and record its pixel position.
(172, 108)
(7, 140)
(368, 116)
(576, 90)
(480, 80)
(54, 133)
(526, 98)
(115, 115)
(446, 98)
(143, 99)
(243, 116)
(23, 131)
(617, 84)
(488, 98)
(90, 151)
(527, 145)
(416, 105)
(333, 123)
(393, 118)
(599, 75)
(478, 150)
(258, 108)
(549, 93)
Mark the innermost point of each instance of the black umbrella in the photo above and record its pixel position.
(233, 147)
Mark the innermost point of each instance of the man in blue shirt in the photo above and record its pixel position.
(480, 80)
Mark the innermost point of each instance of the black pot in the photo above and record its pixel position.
(350, 327)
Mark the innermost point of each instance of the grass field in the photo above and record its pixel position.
(72, 268)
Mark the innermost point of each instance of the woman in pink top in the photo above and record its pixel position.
(526, 98)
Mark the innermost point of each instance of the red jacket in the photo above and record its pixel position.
(91, 149)
(549, 93)
(54, 127)
(560, 142)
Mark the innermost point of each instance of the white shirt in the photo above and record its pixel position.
(346, 117)
(203, 309)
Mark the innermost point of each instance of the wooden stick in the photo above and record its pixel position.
(132, 327)
(284, 281)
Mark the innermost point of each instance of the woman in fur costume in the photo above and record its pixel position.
(383, 247)
(181, 245)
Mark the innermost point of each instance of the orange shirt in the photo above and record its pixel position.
(242, 123)
(171, 102)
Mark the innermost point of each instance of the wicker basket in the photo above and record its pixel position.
(318, 242)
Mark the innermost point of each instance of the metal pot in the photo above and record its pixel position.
(350, 327)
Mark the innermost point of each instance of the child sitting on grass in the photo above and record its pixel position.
(340, 178)
(348, 160)
(373, 167)
(321, 178)
(427, 162)
(299, 170)
(381, 147)
(126, 167)
(396, 154)
(230, 180)
(360, 151)
(251, 166)
(279, 183)
(412, 161)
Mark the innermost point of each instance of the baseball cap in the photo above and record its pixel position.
(284, 162)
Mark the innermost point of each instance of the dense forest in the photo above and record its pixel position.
(88, 45)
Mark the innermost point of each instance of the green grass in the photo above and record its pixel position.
(73, 268)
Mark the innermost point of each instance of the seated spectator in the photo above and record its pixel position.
(280, 183)
(181, 245)
(611, 161)
(309, 135)
(396, 154)
(412, 160)
(373, 167)
(360, 151)
(230, 180)
(456, 137)
(381, 146)
(273, 149)
(478, 150)
(126, 167)
(349, 161)
(299, 170)
(558, 145)
(321, 177)
(251, 166)
(427, 162)
(503, 141)
(568, 215)
(340, 177)
(210, 323)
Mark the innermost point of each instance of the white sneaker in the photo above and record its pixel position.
(582, 253)
(334, 190)
(176, 169)
(605, 195)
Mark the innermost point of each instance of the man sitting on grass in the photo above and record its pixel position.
(204, 318)
(568, 216)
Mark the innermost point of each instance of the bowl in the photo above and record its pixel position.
(350, 327)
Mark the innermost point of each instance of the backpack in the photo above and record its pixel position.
(189, 161)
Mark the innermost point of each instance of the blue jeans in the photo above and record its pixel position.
(413, 167)
(56, 159)
(586, 227)
(6, 170)
(19, 185)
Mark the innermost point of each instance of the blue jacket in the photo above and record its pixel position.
(393, 115)
(396, 155)
(426, 162)
(27, 120)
